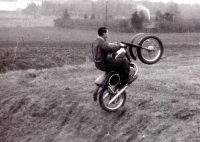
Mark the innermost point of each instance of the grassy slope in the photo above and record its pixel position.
(56, 104)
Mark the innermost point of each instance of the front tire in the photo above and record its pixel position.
(153, 52)
(135, 40)
(105, 97)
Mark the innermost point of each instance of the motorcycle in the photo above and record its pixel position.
(108, 90)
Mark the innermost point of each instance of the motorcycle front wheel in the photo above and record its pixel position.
(105, 97)
(151, 51)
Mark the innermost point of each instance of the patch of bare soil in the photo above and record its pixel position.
(39, 55)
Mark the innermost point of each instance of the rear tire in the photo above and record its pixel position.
(105, 97)
(154, 54)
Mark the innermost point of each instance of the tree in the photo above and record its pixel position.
(50, 8)
(66, 15)
(173, 9)
(31, 9)
(61, 22)
(165, 21)
(142, 16)
(93, 16)
(168, 16)
(85, 16)
(158, 15)
(137, 21)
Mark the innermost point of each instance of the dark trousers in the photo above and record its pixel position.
(121, 65)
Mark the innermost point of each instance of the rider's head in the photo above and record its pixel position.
(103, 32)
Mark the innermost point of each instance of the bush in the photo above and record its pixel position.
(85, 16)
(61, 22)
(58, 22)
(124, 23)
(93, 16)
(66, 15)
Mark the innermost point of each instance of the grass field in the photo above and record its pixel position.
(55, 34)
(56, 104)
(46, 47)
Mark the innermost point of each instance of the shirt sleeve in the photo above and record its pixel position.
(110, 48)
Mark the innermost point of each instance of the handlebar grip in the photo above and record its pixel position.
(123, 45)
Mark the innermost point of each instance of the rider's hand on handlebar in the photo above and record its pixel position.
(123, 45)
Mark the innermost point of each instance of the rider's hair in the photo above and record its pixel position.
(102, 30)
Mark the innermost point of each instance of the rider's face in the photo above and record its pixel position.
(105, 35)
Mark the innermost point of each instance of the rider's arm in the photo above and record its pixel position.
(113, 44)
(110, 47)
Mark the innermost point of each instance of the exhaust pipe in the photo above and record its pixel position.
(118, 94)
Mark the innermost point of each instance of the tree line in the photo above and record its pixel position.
(164, 17)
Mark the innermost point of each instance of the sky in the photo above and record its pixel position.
(10, 5)
(179, 1)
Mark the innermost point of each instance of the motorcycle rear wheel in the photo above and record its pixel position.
(153, 52)
(105, 97)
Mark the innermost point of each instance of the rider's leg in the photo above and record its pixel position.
(121, 65)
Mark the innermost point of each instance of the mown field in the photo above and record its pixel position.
(46, 47)
(50, 98)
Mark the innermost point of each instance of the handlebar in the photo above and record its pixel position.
(123, 45)
(131, 45)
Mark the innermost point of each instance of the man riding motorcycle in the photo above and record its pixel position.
(101, 50)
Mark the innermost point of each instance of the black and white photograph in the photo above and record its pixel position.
(99, 71)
